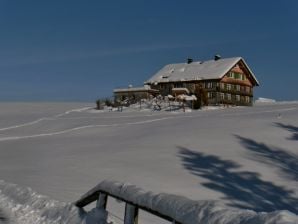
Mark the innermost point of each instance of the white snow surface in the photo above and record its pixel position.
(240, 157)
(21, 205)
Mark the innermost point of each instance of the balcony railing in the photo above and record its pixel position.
(238, 92)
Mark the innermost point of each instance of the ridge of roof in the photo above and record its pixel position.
(208, 61)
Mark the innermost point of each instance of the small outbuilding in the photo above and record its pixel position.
(135, 93)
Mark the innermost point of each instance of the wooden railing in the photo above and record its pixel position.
(106, 189)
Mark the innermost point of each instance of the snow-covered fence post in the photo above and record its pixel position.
(131, 214)
(102, 201)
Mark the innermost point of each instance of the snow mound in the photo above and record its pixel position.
(265, 100)
(22, 205)
(189, 211)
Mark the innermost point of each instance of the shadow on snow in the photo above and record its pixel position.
(242, 189)
(290, 128)
(3, 219)
(277, 157)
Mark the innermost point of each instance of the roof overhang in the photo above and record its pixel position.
(136, 90)
(250, 71)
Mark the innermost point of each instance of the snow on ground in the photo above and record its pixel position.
(21, 205)
(244, 157)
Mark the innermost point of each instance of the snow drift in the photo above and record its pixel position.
(265, 100)
(22, 205)
(189, 211)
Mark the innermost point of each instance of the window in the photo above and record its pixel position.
(211, 95)
(222, 85)
(247, 89)
(229, 96)
(237, 97)
(236, 75)
(238, 87)
(178, 85)
(210, 85)
(229, 87)
(222, 96)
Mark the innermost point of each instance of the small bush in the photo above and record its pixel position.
(108, 102)
(98, 105)
(202, 97)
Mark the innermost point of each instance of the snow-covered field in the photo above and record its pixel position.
(245, 157)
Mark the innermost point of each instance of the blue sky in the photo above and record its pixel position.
(81, 50)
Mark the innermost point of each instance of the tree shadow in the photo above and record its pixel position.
(3, 218)
(242, 189)
(277, 157)
(290, 128)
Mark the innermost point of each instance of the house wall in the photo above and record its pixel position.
(236, 87)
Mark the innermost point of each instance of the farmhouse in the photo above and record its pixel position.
(226, 80)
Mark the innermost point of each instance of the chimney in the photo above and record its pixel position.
(217, 57)
(189, 60)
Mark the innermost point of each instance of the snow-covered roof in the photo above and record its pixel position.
(199, 70)
(135, 89)
(185, 90)
(186, 97)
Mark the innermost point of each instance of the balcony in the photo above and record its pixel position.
(236, 92)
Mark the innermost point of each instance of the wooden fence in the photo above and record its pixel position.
(131, 208)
